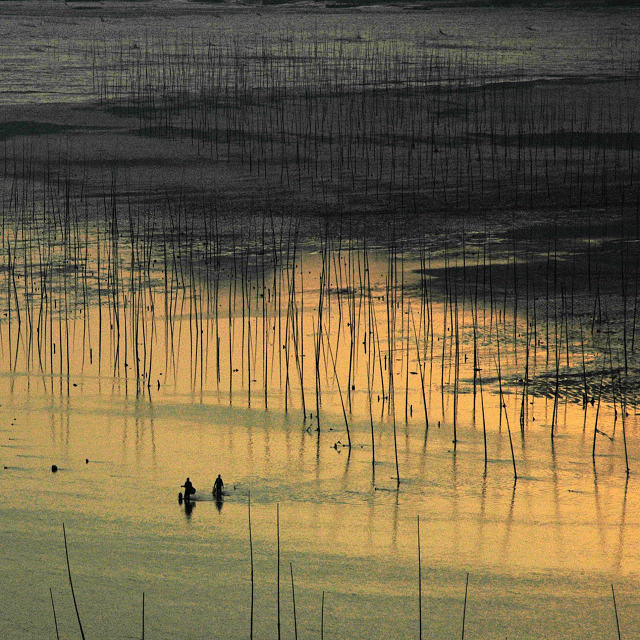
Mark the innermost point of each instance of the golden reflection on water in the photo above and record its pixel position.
(566, 526)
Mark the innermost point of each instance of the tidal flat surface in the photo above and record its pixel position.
(43, 45)
(237, 239)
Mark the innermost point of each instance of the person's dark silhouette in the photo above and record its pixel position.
(188, 490)
(218, 487)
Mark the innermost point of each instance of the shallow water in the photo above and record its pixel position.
(541, 553)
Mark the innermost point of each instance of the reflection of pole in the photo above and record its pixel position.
(622, 525)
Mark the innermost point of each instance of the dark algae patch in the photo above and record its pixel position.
(30, 128)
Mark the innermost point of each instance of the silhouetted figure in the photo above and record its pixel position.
(218, 487)
(188, 490)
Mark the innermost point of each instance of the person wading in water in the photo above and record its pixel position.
(218, 486)
(188, 490)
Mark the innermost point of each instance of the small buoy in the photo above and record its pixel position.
(54, 468)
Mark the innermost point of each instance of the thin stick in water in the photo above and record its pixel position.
(615, 608)
(75, 604)
(293, 598)
(278, 536)
(419, 585)
(464, 610)
(55, 619)
(251, 559)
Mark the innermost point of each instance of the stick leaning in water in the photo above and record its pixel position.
(55, 619)
(419, 585)
(615, 609)
(278, 536)
(75, 604)
(251, 559)
(464, 610)
(293, 597)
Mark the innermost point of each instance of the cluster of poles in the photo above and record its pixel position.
(330, 317)
(411, 123)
